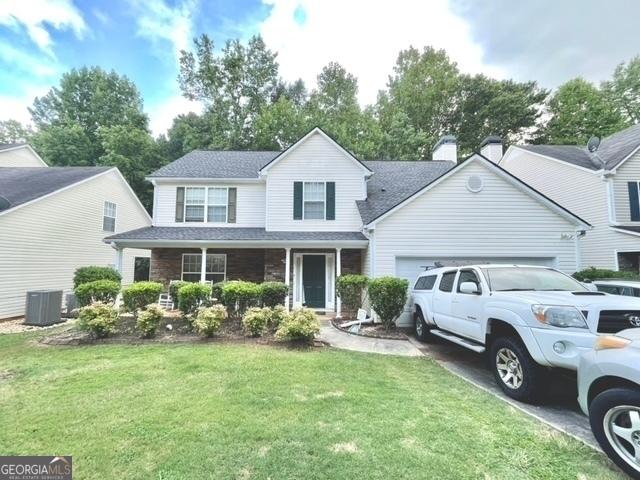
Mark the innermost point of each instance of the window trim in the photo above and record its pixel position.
(105, 216)
(199, 272)
(206, 204)
(324, 200)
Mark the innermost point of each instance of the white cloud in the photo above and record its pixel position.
(15, 106)
(160, 22)
(365, 37)
(161, 114)
(33, 14)
(28, 64)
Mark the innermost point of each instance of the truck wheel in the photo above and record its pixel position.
(515, 371)
(615, 422)
(420, 327)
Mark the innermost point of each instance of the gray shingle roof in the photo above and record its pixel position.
(19, 185)
(217, 164)
(6, 146)
(393, 182)
(229, 234)
(613, 150)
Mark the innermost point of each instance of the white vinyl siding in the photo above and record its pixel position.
(316, 160)
(216, 267)
(582, 192)
(628, 172)
(43, 243)
(250, 205)
(313, 200)
(20, 157)
(109, 217)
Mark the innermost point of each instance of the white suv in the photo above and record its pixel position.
(528, 317)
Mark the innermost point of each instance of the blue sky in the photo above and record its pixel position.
(544, 40)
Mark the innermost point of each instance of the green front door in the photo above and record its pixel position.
(313, 280)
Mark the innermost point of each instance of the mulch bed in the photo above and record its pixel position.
(376, 330)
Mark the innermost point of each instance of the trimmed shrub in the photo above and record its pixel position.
(95, 273)
(256, 320)
(140, 294)
(174, 287)
(99, 319)
(300, 324)
(238, 295)
(593, 273)
(273, 293)
(149, 319)
(193, 295)
(276, 315)
(388, 296)
(104, 291)
(216, 291)
(209, 319)
(350, 289)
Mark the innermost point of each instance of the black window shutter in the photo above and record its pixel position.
(331, 200)
(180, 204)
(231, 205)
(634, 201)
(297, 200)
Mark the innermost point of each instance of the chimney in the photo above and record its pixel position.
(446, 149)
(491, 148)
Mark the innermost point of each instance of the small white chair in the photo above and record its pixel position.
(165, 301)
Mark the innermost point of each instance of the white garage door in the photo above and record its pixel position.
(410, 268)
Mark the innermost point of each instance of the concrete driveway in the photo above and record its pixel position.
(559, 409)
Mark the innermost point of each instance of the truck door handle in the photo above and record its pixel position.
(470, 317)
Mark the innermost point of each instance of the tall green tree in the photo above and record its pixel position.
(12, 131)
(579, 110)
(623, 90)
(235, 86)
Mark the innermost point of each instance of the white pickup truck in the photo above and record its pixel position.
(527, 317)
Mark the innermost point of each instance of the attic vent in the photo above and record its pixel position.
(474, 183)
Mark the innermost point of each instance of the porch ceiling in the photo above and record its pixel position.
(150, 237)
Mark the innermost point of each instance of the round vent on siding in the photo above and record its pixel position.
(474, 183)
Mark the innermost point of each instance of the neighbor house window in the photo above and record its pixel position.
(313, 200)
(217, 201)
(634, 200)
(216, 267)
(194, 204)
(109, 217)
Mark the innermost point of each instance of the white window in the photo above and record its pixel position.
(217, 201)
(313, 201)
(194, 204)
(109, 217)
(216, 268)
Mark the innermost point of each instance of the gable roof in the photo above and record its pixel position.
(319, 131)
(393, 182)
(613, 150)
(526, 188)
(6, 147)
(217, 164)
(19, 185)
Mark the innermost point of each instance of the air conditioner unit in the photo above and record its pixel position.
(43, 307)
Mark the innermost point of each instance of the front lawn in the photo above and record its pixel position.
(234, 411)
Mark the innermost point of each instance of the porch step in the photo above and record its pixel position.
(463, 342)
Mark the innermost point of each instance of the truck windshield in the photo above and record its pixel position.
(527, 279)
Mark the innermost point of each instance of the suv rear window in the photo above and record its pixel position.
(446, 283)
(425, 283)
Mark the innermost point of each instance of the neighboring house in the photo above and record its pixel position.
(602, 187)
(314, 211)
(19, 155)
(53, 220)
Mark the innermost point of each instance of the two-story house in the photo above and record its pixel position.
(601, 186)
(314, 211)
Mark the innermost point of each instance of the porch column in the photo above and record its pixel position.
(119, 253)
(203, 266)
(338, 273)
(287, 277)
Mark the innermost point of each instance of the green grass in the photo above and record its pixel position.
(234, 411)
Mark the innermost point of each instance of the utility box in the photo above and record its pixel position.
(43, 307)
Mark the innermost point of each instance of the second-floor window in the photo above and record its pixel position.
(206, 204)
(313, 205)
(634, 200)
(109, 217)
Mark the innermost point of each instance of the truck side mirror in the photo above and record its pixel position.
(470, 288)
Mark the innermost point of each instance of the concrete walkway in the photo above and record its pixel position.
(346, 341)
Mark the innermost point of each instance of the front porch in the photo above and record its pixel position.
(310, 272)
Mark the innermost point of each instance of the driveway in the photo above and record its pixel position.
(559, 409)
